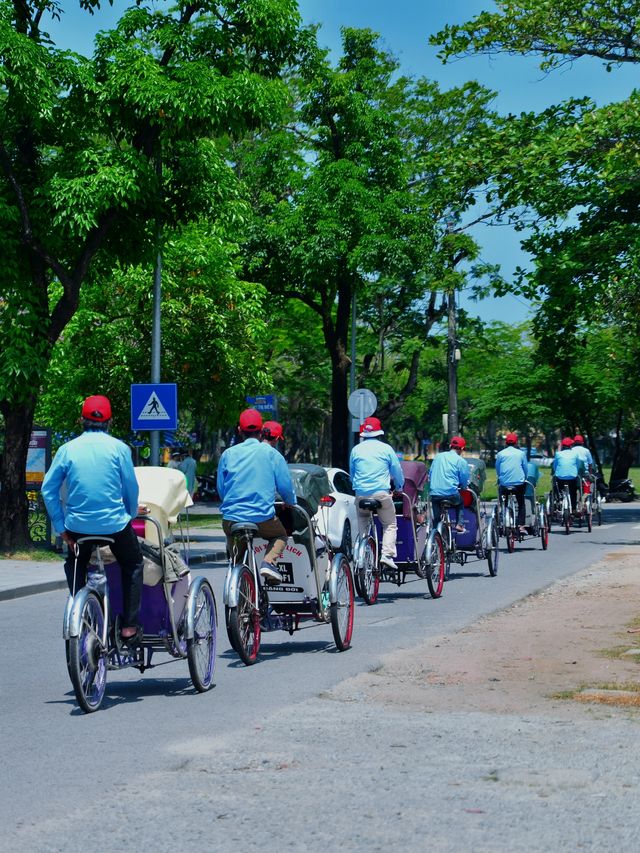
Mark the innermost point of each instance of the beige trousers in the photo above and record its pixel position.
(387, 516)
(272, 530)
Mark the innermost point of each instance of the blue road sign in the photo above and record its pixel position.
(154, 406)
(266, 403)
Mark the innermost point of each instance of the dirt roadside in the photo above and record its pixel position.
(564, 650)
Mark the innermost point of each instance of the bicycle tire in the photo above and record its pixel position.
(201, 648)
(368, 572)
(492, 550)
(433, 560)
(244, 620)
(87, 658)
(341, 611)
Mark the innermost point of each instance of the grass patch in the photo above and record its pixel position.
(40, 555)
(617, 653)
(198, 522)
(490, 492)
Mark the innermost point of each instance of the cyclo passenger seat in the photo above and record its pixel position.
(370, 503)
(243, 528)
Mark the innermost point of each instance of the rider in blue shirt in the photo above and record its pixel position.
(449, 472)
(566, 467)
(511, 470)
(249, 475)
(584, 453)
(101, 499)
(372, 465)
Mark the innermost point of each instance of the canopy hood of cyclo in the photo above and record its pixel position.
(310, 484)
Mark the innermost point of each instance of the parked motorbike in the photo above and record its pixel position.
(621, 490)
(207, 490)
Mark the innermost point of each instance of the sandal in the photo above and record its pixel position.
(133, 641)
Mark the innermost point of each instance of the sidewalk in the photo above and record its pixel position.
(29, 577)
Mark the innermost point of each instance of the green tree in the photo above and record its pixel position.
(570, 176)
(79, 145)
(350, 200)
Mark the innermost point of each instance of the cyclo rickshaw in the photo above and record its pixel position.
(418, 552)
(317, 585)
(480, 539)
(536, 521)
(177, 613)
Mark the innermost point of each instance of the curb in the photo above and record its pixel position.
(208, 557)
(51, 586)
(32, 589)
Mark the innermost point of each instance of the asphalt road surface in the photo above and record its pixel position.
(269, 760)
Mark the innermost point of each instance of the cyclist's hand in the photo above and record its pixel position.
(68, 540)
(143, 509)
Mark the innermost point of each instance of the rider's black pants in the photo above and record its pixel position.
(126, 550)
(518, 491)
(456, 503)
(573, 490)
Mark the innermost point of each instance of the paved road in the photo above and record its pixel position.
(267, 760)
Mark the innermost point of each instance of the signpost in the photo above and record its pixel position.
(361, 404)
(154, 406)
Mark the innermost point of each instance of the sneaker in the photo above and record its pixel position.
(389, 562)
(269, 573)
(460, 529)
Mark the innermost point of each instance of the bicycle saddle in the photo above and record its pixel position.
(242, 527)
(95, 540)
(370, 503)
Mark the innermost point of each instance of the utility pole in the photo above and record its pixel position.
(352, 372)
(453, 354)
(154, 435)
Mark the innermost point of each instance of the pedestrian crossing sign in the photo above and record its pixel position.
(154, 406)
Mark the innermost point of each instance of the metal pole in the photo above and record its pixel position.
(452, 366)
(156, 338)
(352, 372)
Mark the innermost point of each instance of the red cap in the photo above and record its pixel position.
(459, 442)
(566, 442)
(250, 420)
(271, 429)
(97, 408)
(578, 439)
(371, 427)
(511, 438)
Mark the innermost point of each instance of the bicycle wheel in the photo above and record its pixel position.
(566, 520)
(599, 510)
(341, 612)
(368, 572)
(244, 619)
(227, 619)
(544, 529)
(510, 532)
(491, 549)
(433, 563)
(201, 648)
(87, 657)
(589, 514)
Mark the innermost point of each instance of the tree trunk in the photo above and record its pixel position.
(340, 417)
(14, 508)
(624, 456)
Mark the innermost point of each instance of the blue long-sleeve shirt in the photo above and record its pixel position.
(101, 486)
(249, 474)
(567, 464)
(447, 474)
(372, 465)
(511, 467)
(584, 454)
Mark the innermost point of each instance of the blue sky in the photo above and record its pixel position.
(405, 26)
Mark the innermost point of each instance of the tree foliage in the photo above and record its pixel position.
(80, 143)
